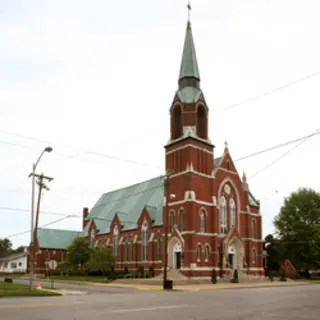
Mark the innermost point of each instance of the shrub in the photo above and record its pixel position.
(126, 270)
(270, 275)
(8, 280)
(283, 276)
(214, 276)
(140, 272)
(235, 277)
(151, 272)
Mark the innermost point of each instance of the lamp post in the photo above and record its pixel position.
(34, 166)
(168, 196)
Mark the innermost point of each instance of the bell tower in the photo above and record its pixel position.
(189, 147)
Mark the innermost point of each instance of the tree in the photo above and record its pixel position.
(5, 247)
(101, 259)
(275, 252)
(78, 253)
(298, 228)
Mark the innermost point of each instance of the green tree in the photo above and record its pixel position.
(101, 259)
(275, 252)
(5, 247)
(297, 226)
(78, 253)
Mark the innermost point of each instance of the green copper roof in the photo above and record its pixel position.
(56, 238)
(252, 200)
(189, 64)
(128, 204)
(189, 95)
(217, 162)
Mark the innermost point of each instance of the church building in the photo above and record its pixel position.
(214, 221)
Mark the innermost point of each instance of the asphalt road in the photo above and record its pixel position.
(294, 303)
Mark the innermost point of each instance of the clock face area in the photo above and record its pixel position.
(227, 189)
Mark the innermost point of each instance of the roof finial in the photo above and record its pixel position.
(189, 10)
(226, 147)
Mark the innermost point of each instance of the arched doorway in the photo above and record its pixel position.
(234, 254)
(174, 253)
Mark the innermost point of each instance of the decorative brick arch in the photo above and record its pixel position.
(238, 198)
(174, 245)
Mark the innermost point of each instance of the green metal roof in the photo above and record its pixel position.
(252, 201)
(56, 238)
(189, 94)
(217, 162)
(128, 204)
(189, 64)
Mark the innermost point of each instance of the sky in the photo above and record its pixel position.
(95, 80)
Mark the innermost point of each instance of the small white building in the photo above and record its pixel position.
(14, 263)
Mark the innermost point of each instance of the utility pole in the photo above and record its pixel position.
(42, 186)
(166, 284)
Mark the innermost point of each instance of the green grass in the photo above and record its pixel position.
(20, 290)
(81, 278)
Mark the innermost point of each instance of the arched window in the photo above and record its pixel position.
(201, 122)
(223, 216)
(233, 215)
(254, 228)
(181, 220)
(202, 221)
(115, 241)
(177, 122)
(254, 255)
(126, 250)
(199, 248)
(199, 252)
(144, 241)
(159, 247)
(206, 253)
(172, 221)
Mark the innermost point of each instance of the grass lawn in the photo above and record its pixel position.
(81, 278)
(20, 290)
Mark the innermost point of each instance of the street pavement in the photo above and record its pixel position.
(292, 302)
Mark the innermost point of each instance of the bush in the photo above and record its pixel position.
(126, 270)
(283, 276)
(235, 277)
(151, 273)
(8, 280)
(214, 276)
(140, 272)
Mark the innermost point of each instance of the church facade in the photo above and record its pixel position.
(213, 219)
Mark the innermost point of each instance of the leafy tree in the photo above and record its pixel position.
(19, 249)
(78, 253)
(275, 252)
(101, 259)
(5, 247)
(298, 228)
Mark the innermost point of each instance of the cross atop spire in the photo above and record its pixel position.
(189, 71)
(189, 10)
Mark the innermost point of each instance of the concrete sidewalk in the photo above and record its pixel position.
(208, 287)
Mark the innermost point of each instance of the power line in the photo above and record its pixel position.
(272, 91)
(95, 153)
(285, 153)
(277, 146)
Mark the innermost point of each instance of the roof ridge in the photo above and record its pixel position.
(135, 184)
(56, 229)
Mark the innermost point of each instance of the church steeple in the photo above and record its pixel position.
(189, 72)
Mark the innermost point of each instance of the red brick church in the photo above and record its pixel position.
(214, 220)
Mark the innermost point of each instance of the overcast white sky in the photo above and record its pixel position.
(101, 75)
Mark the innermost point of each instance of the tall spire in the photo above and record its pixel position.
(189, 72)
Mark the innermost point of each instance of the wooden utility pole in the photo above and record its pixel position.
(42, 186)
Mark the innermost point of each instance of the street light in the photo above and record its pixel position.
(34, 166)
(169, 196)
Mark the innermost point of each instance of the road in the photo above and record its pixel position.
(294, 303)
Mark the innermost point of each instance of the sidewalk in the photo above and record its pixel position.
(208, 287)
